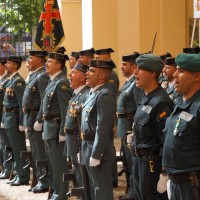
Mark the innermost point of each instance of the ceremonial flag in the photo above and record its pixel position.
(50, 33)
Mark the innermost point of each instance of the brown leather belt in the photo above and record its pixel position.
(51, 117)
(87, 137)
(71, 131)
(144, 152)
(32, 110)
(187, 177)
(125, 115)
(11, 109)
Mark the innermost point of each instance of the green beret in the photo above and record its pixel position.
(150, 62)
(190, 62)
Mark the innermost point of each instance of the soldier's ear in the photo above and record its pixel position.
(197, 76)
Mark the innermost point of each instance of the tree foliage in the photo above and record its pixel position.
(19, 16)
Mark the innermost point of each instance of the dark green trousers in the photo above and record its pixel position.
(58, 165)
(100, 181)
(18, 144)
(4, 141)
(145, 182)
(182, 191)
(38, 152)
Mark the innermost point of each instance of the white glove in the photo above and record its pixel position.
(129, 138)
(37, 126)
(61, 138)
(169, 194)
(162, 183)
(22, 128)
(94, 162)
(2, 125)
(79, 157)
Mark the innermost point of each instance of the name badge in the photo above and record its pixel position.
(147, 109)
(186, 116)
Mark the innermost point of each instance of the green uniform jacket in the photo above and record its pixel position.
(113, 83)
(181, 152)
(33, 96)
(3, 81)
(72, 128)
(98, 115)
(150, 118)
(13, 99)
(127, 104)
(56, 99)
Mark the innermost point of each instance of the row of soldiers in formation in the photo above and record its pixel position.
(77, 118)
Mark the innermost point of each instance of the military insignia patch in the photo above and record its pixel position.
(164, 84)
(9, 92)
(19, 84)
(163, 114)
(147, 109)
(64, 87)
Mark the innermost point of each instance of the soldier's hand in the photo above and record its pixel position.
(2, 125)
(37, 126)
(79, 157)
(94, 162)
(22, 128)
(129, 138)
(61, 138)
(162, 183)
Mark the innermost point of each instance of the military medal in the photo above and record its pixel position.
(175, 132)
(74, 109)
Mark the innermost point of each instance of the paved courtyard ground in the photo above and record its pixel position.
(8, 192)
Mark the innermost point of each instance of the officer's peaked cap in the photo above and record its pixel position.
(130, 57)
(104, 51)
(74, 54)
(15, 58)
(58, 56)
(107, 64)
(194, 50)
(87, 52)
(81, 67)
(61, 50)
(166, 55)
(38, 53)
(170, 61)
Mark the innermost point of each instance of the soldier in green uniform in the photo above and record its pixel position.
(162, 79)
(85, 56)
(181, 152)
(169, 69)
(98, 114)
(13, 118)
(113, 83)
(31, 103)
(113, 86)
(127, 102)
(73, 117)
(149, 121)
(73, 59)
(6, 167)
(63, 50)
(55, 102)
